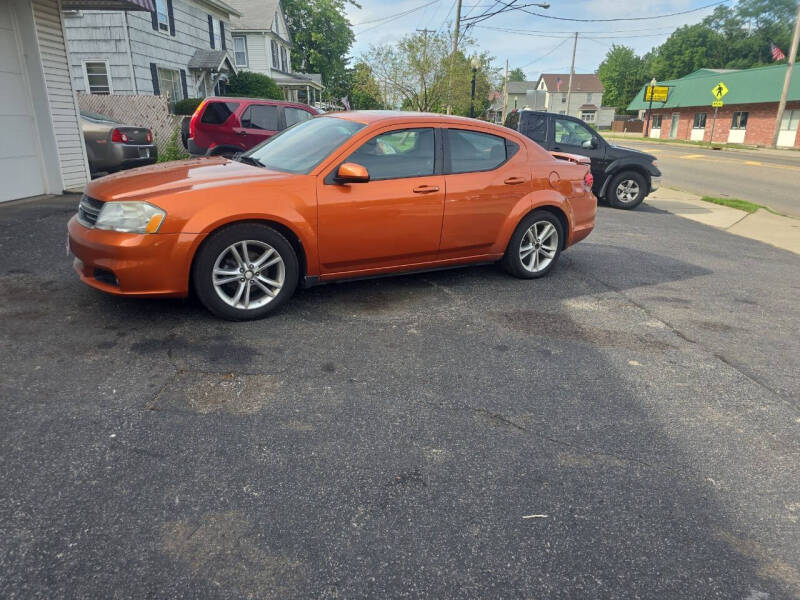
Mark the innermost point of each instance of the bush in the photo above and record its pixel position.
(253, 85)
(187, 106)
(172, 151)
(512, 119)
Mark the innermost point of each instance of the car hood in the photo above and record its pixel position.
(176, 177)
(616, 152)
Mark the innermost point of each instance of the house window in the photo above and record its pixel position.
(699, 121)
(169, 82)
(97, 77)
(790, 120)
(588, 98)
(217, 34)
(275, 62)
(562, 112)
(284, 60)
(588, 116)
(739, 120)
(240, 51)
(161, 12)
(657, 121)
(563, 97)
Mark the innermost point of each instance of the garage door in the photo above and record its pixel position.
(20, 164)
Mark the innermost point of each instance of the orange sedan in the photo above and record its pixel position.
(339, 196)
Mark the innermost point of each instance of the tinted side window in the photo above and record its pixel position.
(295, 115)
(571, 133)
(261, 117)
(535, 127)
(216, 113)
(473, 151)
(396, 154)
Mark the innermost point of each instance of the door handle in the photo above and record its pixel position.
(514, 180)
(557, 148)
(425, 189)
(242, 133)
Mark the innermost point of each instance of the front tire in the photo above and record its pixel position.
(535, 246)
(245, 272)
(626, 190)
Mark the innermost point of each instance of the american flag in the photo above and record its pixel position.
(558, 83)
(776, 52)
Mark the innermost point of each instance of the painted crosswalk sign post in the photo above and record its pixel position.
(718, 91)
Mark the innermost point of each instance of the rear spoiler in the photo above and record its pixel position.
(573, 158)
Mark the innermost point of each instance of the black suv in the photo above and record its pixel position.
(622, 176)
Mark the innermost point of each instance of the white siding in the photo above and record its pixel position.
(257, 53)
(60, 95)
(99, 35)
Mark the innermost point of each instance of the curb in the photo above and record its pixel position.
(764, 226)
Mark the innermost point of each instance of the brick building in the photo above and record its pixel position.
(747, 116)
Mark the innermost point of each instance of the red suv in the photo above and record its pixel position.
(225, 126)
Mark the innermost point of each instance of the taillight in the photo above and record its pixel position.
(149, 137)
(119, 136)
(588, 180)
(195, 116)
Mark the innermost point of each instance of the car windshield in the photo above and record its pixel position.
(93, 116)
(303, 146)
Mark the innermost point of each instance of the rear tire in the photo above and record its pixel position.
(245, 271)
(626, 190)
(535, 246)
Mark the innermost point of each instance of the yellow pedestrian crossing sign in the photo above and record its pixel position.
(717, 104)
(719, 90)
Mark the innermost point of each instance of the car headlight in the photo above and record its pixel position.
(130, 217)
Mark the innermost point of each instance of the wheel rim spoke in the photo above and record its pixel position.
(538, 246)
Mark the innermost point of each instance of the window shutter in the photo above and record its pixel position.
(154, 17)
(222, 34)
(171, 18)
(211, 30)
(154, 75)
(183, 84)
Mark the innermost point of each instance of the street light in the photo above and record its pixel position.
(475, 64)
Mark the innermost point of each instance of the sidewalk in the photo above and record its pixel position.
(762, 225)
(637, 137)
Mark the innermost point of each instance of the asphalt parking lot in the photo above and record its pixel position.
(625, 428)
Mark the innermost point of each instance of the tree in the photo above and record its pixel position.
(516, 75)
(420, 73)
(253, 85)
(321, 37)
(365, 92)
(622, 75)
(689, 48)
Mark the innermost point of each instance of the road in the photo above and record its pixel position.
(624, 428)
(766, 178)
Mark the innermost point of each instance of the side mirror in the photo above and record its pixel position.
(592, 143)
(352, 173)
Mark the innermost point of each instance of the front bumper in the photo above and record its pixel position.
(132, 264)
(655, 183)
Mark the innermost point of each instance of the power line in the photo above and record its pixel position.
(396, 15)
(666, 28)
(523, 7)
(564, 41)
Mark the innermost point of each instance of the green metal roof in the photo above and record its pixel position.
(762, 84)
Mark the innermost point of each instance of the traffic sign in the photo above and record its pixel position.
(656, 93)
(717, 104)
(719, 90)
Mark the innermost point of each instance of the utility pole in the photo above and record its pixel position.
(505, 97)
(425, 32)
(453, 58)
(571, 72)
(787, 80)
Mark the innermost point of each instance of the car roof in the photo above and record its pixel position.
(262, 100)
(369, 117)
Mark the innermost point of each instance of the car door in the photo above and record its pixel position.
(393, 219)
(574, 137)
(486, 175)
(259, 122)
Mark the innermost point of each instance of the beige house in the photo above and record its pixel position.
(585, 101)
(261, 43)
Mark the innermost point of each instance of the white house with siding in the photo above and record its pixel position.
(41, 145)
(179, 49)
(262, 43)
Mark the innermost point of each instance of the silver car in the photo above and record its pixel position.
(112, 146)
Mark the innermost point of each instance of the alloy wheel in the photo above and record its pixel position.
(538, 246)
(248, 274)
(627, 191)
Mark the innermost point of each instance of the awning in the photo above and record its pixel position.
(588, 107)
(211, 60)
(147, 5)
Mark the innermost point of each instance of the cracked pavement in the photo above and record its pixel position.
(385, 438)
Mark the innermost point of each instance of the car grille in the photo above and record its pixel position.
(88, 211)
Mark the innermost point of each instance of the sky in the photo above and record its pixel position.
(533, 43)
